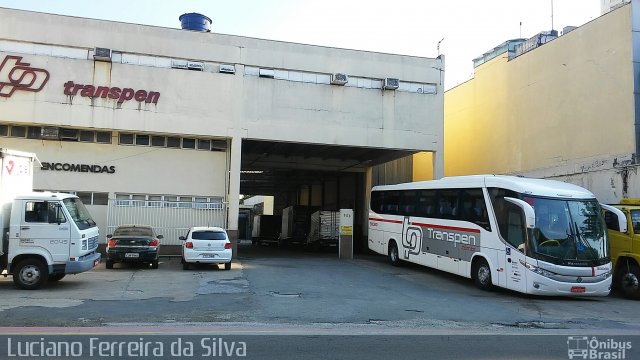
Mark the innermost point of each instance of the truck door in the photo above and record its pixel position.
(44, 225)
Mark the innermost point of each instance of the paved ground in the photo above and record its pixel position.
(268, 288)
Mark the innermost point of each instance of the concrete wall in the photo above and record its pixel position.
(565, 110)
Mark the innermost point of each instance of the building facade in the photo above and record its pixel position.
(567, 108)
(164, 126)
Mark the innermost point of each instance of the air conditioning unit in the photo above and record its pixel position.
(179, 64)
(339, 79)
(49, 133)
(391, 83)
(227, 69)
(267, 73)
(102, 54)
(196, 66)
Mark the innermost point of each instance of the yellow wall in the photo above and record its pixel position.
(566, 101)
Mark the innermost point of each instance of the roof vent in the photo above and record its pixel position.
(391, 83)
(195, 22)
(102, 54)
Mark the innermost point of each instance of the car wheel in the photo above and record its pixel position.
(185, 265)
(394, 258)
(227, 266)
(628, 281)
(109, 264)
(154, 264)
(30, 274)
(482, 275)
(56, 277)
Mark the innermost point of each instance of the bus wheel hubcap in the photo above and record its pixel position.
(483, 274)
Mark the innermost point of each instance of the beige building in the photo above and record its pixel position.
(169, 126)
(561, 105)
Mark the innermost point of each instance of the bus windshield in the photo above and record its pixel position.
(79, 213)
(568, 232)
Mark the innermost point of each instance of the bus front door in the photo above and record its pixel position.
(515, 270)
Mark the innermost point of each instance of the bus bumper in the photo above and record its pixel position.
(540, 285)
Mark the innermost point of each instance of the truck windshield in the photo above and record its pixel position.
(568, 232)
(79, 213)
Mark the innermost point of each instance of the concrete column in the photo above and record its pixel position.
(368, 184)
(438, 162)
(234, 191)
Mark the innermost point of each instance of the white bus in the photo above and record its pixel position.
(533, 236)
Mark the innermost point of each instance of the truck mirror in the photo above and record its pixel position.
(622, 218)
(55, 213)
(529, 213)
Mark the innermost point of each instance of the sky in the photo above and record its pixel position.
(465, 28)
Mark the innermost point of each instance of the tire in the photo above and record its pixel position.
(109, 264)
(56, 277)
(628, 281)
(227, 266)
(185, 265)
(30, 274)
(154, 264)
(394, 256)
(482, 275)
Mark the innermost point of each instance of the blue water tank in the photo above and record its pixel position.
(195, 22)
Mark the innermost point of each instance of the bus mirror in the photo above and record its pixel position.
(529, 213)
(622, 218)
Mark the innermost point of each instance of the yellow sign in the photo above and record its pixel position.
(346, 230)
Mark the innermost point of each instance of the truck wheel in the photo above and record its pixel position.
(154, 264)
(394, 257)
(628, 281)
(482, 275)
(227, 266)
(30, 274)
(109, 264)
(56, 277)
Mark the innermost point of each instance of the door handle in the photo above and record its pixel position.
(24, 228)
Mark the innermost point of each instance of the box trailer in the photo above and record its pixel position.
(266, 229)
(296, 223)
(325, 228)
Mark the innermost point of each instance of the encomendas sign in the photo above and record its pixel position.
(78, 168)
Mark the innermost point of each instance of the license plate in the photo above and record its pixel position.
(131, 255)
(208, 256)
(578, 289)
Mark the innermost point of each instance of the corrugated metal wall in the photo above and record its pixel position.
(393, 172)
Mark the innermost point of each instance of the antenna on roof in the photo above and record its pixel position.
(551, 14)
(438, 46)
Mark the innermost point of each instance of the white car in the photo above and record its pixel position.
(206, 245)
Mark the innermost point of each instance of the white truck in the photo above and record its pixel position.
(44, 235)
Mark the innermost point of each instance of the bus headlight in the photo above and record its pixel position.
(84, 244)
(537, 270)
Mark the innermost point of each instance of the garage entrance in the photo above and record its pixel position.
(313, 178)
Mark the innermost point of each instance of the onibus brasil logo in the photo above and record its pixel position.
(18, 75)
(583, 347)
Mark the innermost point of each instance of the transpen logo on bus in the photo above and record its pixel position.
(454, 242)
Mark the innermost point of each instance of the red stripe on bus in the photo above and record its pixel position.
(386, 220)
(454, 228)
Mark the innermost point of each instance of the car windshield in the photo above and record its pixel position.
(568, 232)
(635, 220)
(79, 213)
(209, 235)
(133, 231)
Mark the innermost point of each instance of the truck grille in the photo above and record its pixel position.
(93, 242)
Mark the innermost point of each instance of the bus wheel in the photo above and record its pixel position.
(394, 258)
(30, 274)
(482, 275)
(628, 281)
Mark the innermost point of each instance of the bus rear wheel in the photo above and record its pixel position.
(482, 275)
(394, 258)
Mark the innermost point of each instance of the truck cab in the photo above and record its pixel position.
(625, 247)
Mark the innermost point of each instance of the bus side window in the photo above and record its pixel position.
(473, 208)
(508, 217)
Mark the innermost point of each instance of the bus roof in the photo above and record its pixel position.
(540, 187)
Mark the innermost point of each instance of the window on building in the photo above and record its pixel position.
(87, 136)
(100, 198)
(160, 141)
(188, 143)
(142, 140)
(125, 139)
(154, 201)
(204, 144)
(173, 142)
(18, 131)
(4, 130)
(85, 197)
(34, 132)
(103, 137)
